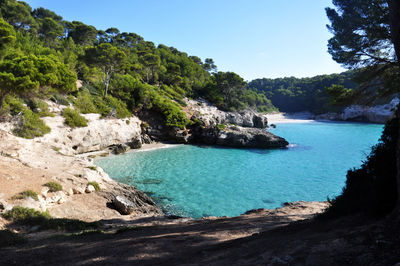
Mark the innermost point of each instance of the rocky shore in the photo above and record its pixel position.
(210, 126)
(65, 156)
(379, 114)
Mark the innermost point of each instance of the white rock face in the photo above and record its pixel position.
(99, 134)
(211, 116)
(375, 114)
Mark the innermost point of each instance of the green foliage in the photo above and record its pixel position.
(20, 74)
(30, 125)
(8, 238)
(53, 186)
(7, 34)
(304, 94)
(27, 216)
(371, 189)
(40, 107)
(18, 14)
(73, 118)
(12, 105)
(221, 126)
(27, 193)
(106, 57)
(95, 185)
(59, 99)
(84, 102)
(94, 168)
(362, 40)
(118, 105)
(340, 95)
(130, 72)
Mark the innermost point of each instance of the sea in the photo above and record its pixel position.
(198, 181)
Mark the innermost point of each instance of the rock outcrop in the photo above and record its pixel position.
(239, 137)
(98, 135)
(245, 129)
(373, 114)
(212, 116)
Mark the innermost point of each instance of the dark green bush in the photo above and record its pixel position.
(31, 126)
(40, 107)
(27, 193)
(371, 189)
(60, 99)
(73, 118)
(12, 105)
(84, 102)
(27, 216)
(119, 106)
(53, 186)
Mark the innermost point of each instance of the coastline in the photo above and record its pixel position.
(280, 118)
(27, 164)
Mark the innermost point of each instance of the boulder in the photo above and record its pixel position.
(123, 205)
(120, 148)
(78, 190)
(135, 143)
(90, 189)
(146, 139)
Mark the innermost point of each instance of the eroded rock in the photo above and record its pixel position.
(120, 148)
(123, 205)
(240, 137)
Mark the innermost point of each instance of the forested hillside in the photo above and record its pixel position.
(317, 94)
(42, 56)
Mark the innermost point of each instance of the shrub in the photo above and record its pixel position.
(53, 186)
(94, 168)
(95, 185)
(31, 126)
(73, 118)
(119, 106)
(60, 99)
(84, 102)
(27, 216)
(12, 105)
(40, 107)
(27, 193)
(371, 189)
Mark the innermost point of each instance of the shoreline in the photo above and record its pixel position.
(306, 117)
(280, 118)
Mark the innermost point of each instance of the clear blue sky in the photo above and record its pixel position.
(254, 38)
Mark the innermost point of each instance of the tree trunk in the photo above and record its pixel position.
(394, 11)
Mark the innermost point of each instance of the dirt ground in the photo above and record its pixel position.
(260, 238)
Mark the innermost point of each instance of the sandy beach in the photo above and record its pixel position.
(279, 118)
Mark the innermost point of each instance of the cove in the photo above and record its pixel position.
(198, 181)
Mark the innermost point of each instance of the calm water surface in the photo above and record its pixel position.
(202, 181)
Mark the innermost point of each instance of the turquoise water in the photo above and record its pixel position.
(200, 181)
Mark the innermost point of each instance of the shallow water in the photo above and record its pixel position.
(200, 181)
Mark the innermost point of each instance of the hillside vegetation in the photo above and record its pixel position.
(42, 56)
(317, 94)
